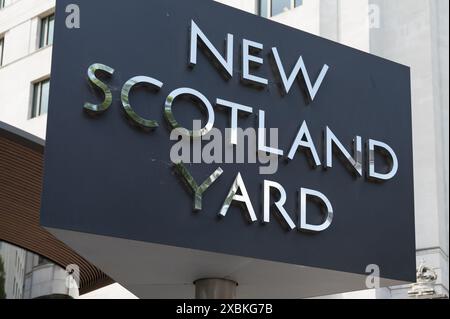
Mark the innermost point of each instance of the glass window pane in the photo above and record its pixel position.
(280, 6)
(43, 36)
(298, 3)
(263, 6)
(44, 97)
(1, 51)
(51, 28)
(43, 261)
(36, 100)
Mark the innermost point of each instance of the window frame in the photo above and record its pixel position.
(44, 30)
(269, 8)
(2, 48)
(36, 97)
(42, 261)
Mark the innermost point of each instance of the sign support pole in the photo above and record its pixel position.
(214, 288)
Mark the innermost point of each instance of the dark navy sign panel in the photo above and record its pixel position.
(104, 176)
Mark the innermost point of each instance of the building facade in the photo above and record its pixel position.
(13, 260)
(30, 276)
(411, 32)
(43, 279)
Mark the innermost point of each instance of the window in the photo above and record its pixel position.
(2, 46)
(42, 261)
(263, 8)
(270, 8)
(47, 29)
(280, 6)
(2, 4)
(40, 98)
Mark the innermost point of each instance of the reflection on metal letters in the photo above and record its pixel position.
(196, 33)
(198, 190)
(355, 162)
(102, 86)
(235, 108)
(140, 121)
(304, 193)
(238, 184)
(300, 66)
(247, 58)
(198, 96)
(274, 195)
(268, 185)
(262, 141)
(390, 154)
(308, 143)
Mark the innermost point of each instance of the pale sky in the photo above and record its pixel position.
(114, 291)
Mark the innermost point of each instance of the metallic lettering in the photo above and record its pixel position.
(268, 185)
(238, 184)
(196, 33)
(355, 162)
(304, 194)
(99, 108)
(308, 143)
(140, 121)
(198, 96)
(300, 66)
(198, 190)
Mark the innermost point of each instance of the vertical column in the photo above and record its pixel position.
(214, 288)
